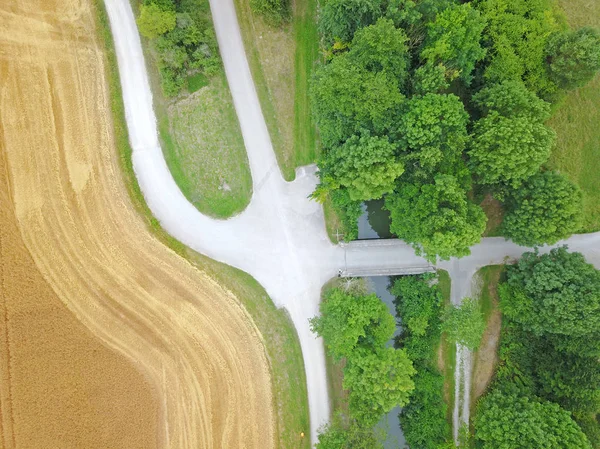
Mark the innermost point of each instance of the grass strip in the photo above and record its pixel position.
(279, 334)
(447, 351)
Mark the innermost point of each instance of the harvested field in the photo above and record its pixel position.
(200, 364)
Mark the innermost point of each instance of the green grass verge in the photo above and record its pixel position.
(576, 119)
(202, 141)
(278, 332)
(447, 351)
(196, 82)
(205, 151)
(281, 61)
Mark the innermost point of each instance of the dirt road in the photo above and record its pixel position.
(190, 339)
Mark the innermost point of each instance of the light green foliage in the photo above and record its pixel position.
(417, 303)
(347, 98)
(348, 210)
(507, 421)
(339, 19)
(349, 320)
(274, 11)
(433, 130)
(464, 324)
(381, 47)
(574, 57)
(366, 166)
(154, 21)
(547, 208)
(378, 381)
(189, 46)
(429, 78)
(511, 141)
(556, 293)
(347, 434)
(517, 33)
(453, 39)
(437, 219)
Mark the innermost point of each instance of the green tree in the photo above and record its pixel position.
(350, 320)
(556, 293)
(516, 36)
(437, 219)
(464, 324)
(339, 19)
(573, 57)
(381, 47)
(545, 209)
(346, 99)
(512, 422)
(155, 21)
(507, 150)
(511, 99)
(453, 39)
(366, 166)
(417, 302)
(429, 78)
(433, 130)
(378, 381)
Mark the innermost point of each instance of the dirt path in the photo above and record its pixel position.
(189, 337)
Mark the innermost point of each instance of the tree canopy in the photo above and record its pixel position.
(453, 39)
(366, 166)
(379, 381)
(555, 293)
(350, 319)
(573, 57)
(432, 130)
(545, 209)
(437, 219)
(513, 422)
(511, 141)
(339, 19)
(155, 21)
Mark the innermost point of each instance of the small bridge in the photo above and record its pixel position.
(381, 257)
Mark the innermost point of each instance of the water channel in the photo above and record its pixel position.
(374, 224)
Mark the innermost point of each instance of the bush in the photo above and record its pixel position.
(154, 21)
(573, 57)
(464, 324)
(275, 12)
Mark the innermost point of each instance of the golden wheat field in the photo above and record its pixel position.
(110, 340)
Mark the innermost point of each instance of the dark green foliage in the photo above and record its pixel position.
(437, 219)
(573, 57)
(545, 209)
(366, 166)
(590, 425)
(350, 320)
(378, 381)
(196, 82)
(453, 39)
(516, 38)
(432, 131)
(419, 305)
(423, 420)
(381, 48)
(464, 324)
(187, 47)
(510, 142)
(556, 293)
(509, 421)
(347, 98)
(274, 11)
(339, 19)
(429, 78)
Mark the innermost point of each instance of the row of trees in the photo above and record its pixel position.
(416, 100)
(355, 327)
(183, 39)
(546, 392)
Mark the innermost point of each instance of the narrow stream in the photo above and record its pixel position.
(374, 224)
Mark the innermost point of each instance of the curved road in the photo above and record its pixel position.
(280, 238)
